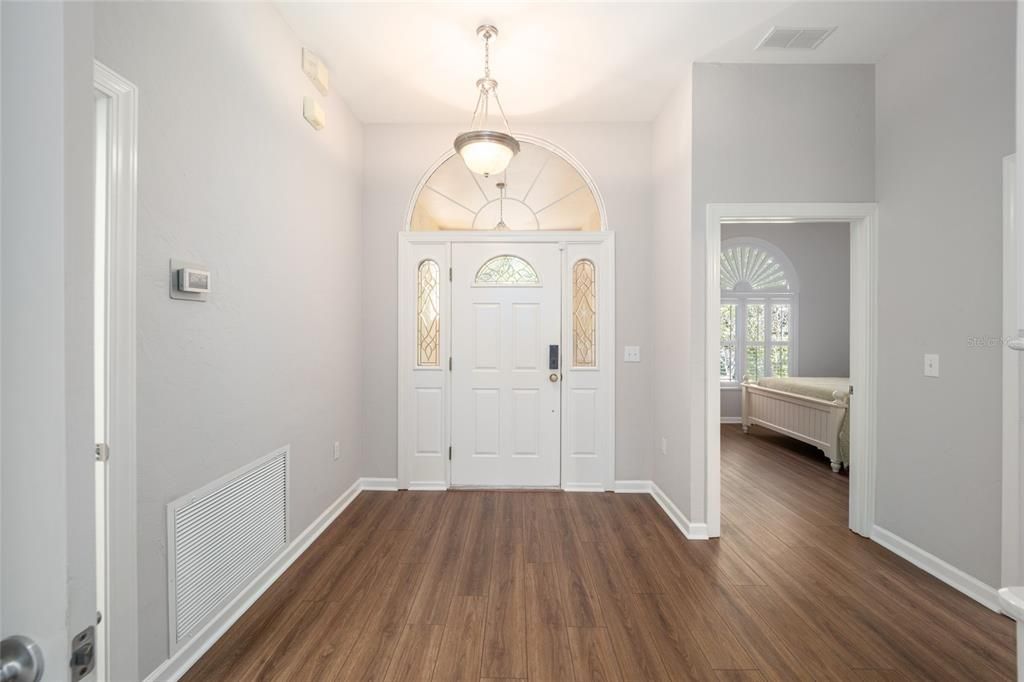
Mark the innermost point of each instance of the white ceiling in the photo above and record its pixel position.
(418, 62)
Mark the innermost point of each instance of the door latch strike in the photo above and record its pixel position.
(102, 452)
(83, 653)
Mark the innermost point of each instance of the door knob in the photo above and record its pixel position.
(553, 377)
(21, 660)
(1016, 344)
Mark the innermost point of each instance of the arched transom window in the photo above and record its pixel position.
(759, 311)
(542, 189)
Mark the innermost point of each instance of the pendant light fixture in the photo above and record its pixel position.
(485, 151)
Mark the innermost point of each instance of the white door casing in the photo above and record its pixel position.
(505, 395)
(426, 393)
(863, 220)
(1013, 383)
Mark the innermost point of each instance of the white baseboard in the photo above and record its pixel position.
(692, 531)
(428, 485)
(951, 575)
(177, 665)
(632, 486)
(732, 420)
(583, 488)
(379, 483)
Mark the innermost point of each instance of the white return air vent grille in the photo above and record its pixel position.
(794, 38)
(218, 537)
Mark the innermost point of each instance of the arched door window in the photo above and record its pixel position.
(758, 313)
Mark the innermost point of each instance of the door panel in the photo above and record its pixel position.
(505, 407)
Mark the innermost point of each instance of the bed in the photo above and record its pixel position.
(814, 410)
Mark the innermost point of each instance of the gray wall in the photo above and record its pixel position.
(945, 120)
(618, 158)
(767, 133)
(670, 253)
(820, 254)
(232, 176)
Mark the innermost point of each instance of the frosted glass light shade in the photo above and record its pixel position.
(486, 152)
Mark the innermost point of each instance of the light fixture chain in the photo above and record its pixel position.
(487, 55)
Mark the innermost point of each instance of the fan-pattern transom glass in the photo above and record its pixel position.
(540, 190)
(751, 268)
(584, 314)
(756, 319)
(428, 314)
(506, 271)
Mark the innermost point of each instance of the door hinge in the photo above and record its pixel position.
(851, 389)
(102, 452)
(449, 452)
(449, 274)
(449, 363)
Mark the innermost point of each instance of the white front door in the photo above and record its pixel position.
(506, 375)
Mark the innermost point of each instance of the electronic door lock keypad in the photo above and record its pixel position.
(553, 356)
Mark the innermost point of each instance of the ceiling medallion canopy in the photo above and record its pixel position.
(486, 151)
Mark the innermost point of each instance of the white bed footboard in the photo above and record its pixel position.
(810, 420)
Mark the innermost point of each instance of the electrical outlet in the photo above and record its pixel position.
(931, 365)
(337, 451)
(664, 445)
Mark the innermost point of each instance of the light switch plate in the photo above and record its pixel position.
(337, 450)
(631, 354)
(931, 365)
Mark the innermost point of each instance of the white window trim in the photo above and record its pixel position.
(769, 297)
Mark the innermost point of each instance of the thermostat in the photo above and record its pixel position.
(194, 281)
(188, 281)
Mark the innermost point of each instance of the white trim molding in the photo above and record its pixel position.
(986, 595)
(186, 656)
(690, 530)
(120, 612)
(1013, 476)
(863, 220)
(379, 483)
(633, 486)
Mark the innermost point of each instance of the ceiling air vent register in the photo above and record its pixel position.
(780, 38)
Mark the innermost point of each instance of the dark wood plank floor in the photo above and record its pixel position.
(559, 586)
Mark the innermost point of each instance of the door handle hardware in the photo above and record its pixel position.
(1016, 344)
(553, 377)
(21, 660)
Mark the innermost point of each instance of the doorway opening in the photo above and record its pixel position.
(816, 419)
(784, 371)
